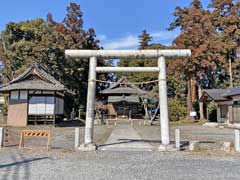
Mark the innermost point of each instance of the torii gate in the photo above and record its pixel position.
(145, 54)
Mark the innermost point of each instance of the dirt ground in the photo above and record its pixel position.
(62, 137)
(189, 132)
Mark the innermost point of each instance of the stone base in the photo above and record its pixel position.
(194, 146)
(167, 148)
(226, 146)
(87, 147)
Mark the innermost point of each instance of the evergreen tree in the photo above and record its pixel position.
(226, 19)
(74, 20)
(45, 42)
(50, 21)
(199, 35)
(144, 39)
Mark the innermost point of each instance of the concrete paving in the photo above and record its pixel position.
(125, 138)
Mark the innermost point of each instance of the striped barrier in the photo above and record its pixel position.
(34, 133)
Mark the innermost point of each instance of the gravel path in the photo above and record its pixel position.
(102, 165)
(125, 138)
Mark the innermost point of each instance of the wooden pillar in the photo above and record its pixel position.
(230, 113)
(218, 115)
(207, 112)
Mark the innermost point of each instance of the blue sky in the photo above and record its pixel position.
(117, 22)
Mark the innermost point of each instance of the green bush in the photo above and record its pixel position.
(212, 112)
(177, 109)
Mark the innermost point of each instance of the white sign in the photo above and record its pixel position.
(193, 113)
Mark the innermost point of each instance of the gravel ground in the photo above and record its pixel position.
(189, 132)
(62, 162)
(101, 165)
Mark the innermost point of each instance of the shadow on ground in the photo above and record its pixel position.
(184, 144)
(19, 168)
(70, 123)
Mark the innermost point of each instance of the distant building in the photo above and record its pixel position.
(228, 103)
(123, 98)
(35, 97)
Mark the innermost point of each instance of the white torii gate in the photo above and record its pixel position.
(145, 54)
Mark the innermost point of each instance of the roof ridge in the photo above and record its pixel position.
(42, 72)
(128, 82)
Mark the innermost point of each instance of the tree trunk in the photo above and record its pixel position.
(200, 103)
(189, 97)
(194, 89)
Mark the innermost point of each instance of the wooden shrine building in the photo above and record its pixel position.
(123, 98)
(35, 97)
(228, 103)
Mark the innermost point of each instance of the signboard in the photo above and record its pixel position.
(193, 113)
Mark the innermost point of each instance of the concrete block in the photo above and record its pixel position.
(87, 147)
(167, 148)
(194, 146)
(77, 137)
(235, 125)
(1, 136)
(97, 121)
(226, 146)
(237, 140)
(131, 122)
(177, 139)
(210, 124)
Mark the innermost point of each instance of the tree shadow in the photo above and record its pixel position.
(12, 170)
(25, 161)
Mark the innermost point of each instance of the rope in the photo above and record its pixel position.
(145, 82)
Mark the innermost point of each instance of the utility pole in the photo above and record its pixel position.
(230, 72)
(232, 55)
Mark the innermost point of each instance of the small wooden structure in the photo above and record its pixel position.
(123, 98)
(228, 103)
(35, 97)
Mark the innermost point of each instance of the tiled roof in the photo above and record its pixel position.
(117, 89)
(44, 82)
(214, 94)
(232, 92)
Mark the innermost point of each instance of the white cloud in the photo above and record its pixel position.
(101, 37)
(164, 35)
(131, 41)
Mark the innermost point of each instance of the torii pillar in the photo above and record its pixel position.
(145, 54)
